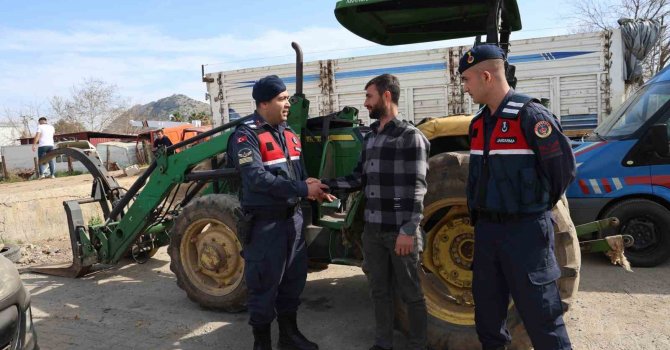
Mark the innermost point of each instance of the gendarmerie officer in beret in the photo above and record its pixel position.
(267, 154)
(520, 165)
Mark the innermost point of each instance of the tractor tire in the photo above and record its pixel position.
(11, 252)
(649, 224)
(205, 253)
(446, 277)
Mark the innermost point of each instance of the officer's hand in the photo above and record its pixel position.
(315, 190)
(328, 197)
(34, 147)
(404, 244)
(312, 180)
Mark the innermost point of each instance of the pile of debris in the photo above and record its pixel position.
(48, 252)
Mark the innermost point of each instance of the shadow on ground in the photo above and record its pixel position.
(599, 275)
(140, 307)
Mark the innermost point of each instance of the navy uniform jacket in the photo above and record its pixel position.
(268, 159)
(520, 161)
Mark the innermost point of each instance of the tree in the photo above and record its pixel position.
(177, 117)
(22, 121)
(202, 116)
(65, 126)
(95, 104)
(596, 15)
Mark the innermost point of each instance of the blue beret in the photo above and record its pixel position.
(267, 88)
(478, 54)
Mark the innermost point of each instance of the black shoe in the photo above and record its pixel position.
(290, 337)
(262, 337)
(377, 347)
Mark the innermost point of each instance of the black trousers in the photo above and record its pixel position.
(517, 259)
(275, 268)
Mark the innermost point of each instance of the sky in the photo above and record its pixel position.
(153, 49)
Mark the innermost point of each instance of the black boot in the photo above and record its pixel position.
(262, 337)
(290, 337)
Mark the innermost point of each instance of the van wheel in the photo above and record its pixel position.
(649, 224)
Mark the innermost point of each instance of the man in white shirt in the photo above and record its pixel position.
(44, 142)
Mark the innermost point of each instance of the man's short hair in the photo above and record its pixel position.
(41, 119)
(386, 82)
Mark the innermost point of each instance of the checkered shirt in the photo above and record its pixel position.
(392, 173)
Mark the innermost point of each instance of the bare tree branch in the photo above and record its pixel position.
(593, 15)
(95, 104)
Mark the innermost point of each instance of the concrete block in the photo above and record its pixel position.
(131, 170)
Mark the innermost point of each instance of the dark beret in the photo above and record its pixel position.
(478, 54)
(267, 88)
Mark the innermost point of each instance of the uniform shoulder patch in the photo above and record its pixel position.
(251, 124)
(543, 129)
(244, 156)
(242, 139)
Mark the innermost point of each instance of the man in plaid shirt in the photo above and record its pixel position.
(392, 173)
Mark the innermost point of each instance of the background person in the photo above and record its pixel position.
(44, 142)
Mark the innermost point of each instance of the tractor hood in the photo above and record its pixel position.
(398, 22)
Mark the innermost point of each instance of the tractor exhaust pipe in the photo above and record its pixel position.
(298, 68)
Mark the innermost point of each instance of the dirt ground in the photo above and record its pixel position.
(141, 307)
(134, 306)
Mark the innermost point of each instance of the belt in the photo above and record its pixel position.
(267, 213)
(504, 217)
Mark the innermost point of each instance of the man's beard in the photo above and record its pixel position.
(377, 111)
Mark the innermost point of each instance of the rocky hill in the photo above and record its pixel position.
(160, 110)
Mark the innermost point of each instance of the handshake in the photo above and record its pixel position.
(316, 191)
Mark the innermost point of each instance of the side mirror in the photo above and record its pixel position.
(659, 139)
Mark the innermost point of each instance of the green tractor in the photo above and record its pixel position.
(187, 198)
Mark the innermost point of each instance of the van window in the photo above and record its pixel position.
(636, 111)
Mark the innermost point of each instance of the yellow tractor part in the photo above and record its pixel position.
(210, 252)
(448, 254)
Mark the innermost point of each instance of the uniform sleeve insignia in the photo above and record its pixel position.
(505, 126)
(244, 156)
(244, 152)
(295, 140)
(543, 129)
(242, 138)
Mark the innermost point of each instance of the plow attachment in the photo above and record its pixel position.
(612, 245)
(105, 191)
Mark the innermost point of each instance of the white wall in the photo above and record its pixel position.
(122, 153)
(20, 158)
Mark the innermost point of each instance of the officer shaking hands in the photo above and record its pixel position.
(520, 165)
(267, 154)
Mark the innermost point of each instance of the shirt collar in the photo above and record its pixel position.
(503, 102)
(389, 126)
(261, 123)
